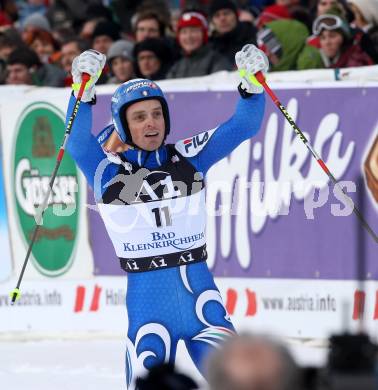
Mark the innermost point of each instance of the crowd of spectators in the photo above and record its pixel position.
(161, 39)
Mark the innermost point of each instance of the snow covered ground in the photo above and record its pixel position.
(96, 364)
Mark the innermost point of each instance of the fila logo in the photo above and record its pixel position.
(196, 141)
(192, 146)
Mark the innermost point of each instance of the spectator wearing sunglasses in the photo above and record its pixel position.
(338, 47)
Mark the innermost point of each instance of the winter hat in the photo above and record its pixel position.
(271, 13)
(368, 8)
(120, 48)
(157, 45)
(37, 20)
(4, 19)
(193, 19)
(25, 56)
(106, 28)
(217, 5)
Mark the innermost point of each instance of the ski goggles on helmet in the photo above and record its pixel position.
(327, 22)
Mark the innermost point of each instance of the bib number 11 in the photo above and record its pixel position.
(162, 216)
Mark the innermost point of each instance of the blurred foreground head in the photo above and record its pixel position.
(249, 362)
(165, 377)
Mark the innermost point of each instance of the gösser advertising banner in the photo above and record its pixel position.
(281, 241)
(32, 131)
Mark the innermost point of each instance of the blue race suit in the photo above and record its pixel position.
(180, 302)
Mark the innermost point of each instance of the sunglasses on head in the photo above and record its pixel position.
(327, 22)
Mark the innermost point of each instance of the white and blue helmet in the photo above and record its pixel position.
(131, 92)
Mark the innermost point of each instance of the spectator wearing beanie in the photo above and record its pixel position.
(152, 58)
(229, 35)
(271, 13)
(120, 59)
(35, 22)
(365, 19)
(104, 34)
(337, 47)
(198, 58)
(24, 67)
(30, 8)
(288, 3)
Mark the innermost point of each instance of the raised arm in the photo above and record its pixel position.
(82, 145)
(213, 145)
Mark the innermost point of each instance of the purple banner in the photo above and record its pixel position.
(304, 236)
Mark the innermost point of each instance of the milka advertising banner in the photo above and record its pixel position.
(272, 212)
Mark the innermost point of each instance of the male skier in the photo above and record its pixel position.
(152, 201)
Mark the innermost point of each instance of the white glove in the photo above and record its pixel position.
(249, 61)
(91, 62)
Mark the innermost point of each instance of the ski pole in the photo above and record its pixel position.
(15, 293)
(261, 79)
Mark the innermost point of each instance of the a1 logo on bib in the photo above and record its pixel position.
(157, 185)
(39, 133)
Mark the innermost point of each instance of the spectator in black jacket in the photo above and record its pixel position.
(229, 35)
(152, 58)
